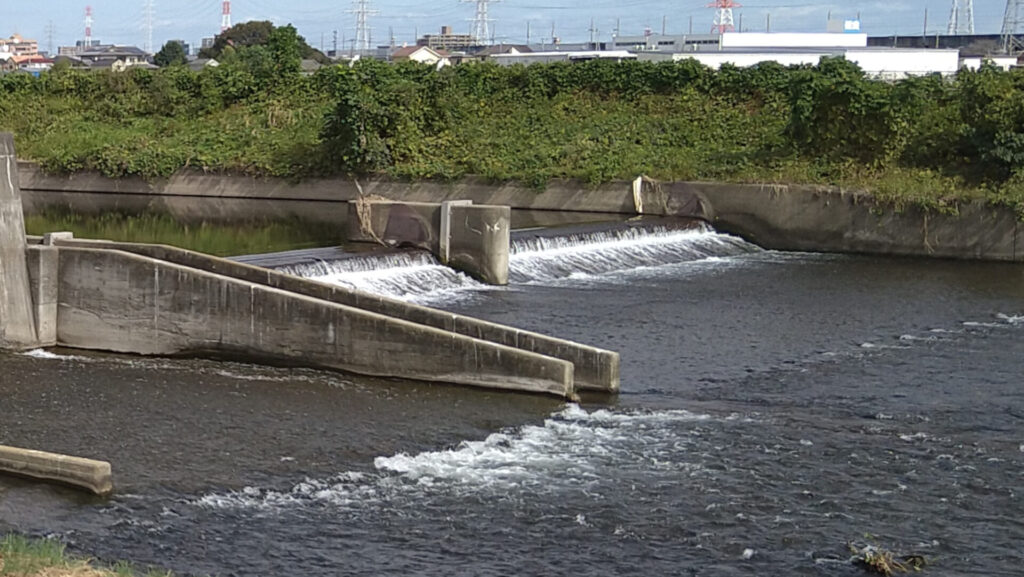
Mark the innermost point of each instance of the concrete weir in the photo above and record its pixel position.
(159, 300)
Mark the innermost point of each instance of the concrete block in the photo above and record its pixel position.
(445, 238)
(17, 325)
(51, 238)
(480, 241)
(115, 301)
(85, 474)
(43, 282)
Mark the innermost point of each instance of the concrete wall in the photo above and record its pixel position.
(17, 325)
(116, 301)
(472, 238)
(595, 369)
(775, 216)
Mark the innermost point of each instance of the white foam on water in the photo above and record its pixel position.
(419, 277)
(571, 450)
(47, 355)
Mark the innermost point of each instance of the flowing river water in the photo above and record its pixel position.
(774, 407)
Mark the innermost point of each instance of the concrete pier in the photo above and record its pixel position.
(472, 238)
(93, 476)
(17, 324)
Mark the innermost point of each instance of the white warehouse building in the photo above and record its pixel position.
(884, 63)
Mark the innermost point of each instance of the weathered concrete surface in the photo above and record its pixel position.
(86, 474)
(479, 241)
(17, 325)
(595, 369)
(775, 216)
(821, 219)
(43, 277)
(117, 301)
(468, 237)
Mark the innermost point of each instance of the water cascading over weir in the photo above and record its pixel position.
(161, 300)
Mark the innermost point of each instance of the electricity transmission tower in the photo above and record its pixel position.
(961, 17)
(723, 16)
(481, 22)
(1013, 21)
(361, 8)
(147, 24)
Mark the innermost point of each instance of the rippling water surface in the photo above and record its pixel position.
(774, 407)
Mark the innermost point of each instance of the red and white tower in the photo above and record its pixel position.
(225, 18)
(87, 43)
(723, 16)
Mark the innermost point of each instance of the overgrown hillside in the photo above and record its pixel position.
(927, 140)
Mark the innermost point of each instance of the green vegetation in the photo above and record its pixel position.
(219, 240)
(20, 557)
(925, 141)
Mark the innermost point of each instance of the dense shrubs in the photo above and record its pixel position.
(595, 121)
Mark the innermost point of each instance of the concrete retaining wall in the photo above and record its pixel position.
(74, 471)
(116, 301)
(774, 216)
(595, 369)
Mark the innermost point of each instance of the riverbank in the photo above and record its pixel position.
(21, 557)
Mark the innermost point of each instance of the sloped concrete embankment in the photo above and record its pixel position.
(591, 368)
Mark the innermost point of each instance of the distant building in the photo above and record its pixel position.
(881, 63)
(421, 54)
(666, 42)
(447, 40)
(19, 46)
(116, 58)
(206, 43)
(563, 56)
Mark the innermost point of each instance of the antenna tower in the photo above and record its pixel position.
(50, 32)
(147, 18)
(481, 22)
(723, 16)
(361, 8)
(1013, 21)
(225, 15)
(961, 18)
(87, 43)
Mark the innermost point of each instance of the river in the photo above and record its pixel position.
(774, 407)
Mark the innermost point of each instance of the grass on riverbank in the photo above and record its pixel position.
(209, 238)
(21, 557)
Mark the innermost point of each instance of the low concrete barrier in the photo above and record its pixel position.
(86, 474)
(595, 369)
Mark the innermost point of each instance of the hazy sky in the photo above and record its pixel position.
(121, 21)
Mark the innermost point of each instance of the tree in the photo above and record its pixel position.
(172, 54)
(256, 33)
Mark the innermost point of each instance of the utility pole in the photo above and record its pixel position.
(691, 25)
(593, 33)
(527, 32)
(618, 30)
(664, 21)
(335, 43)
(924, 32)
(768, 23)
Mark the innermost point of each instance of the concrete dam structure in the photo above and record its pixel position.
(159, 300)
